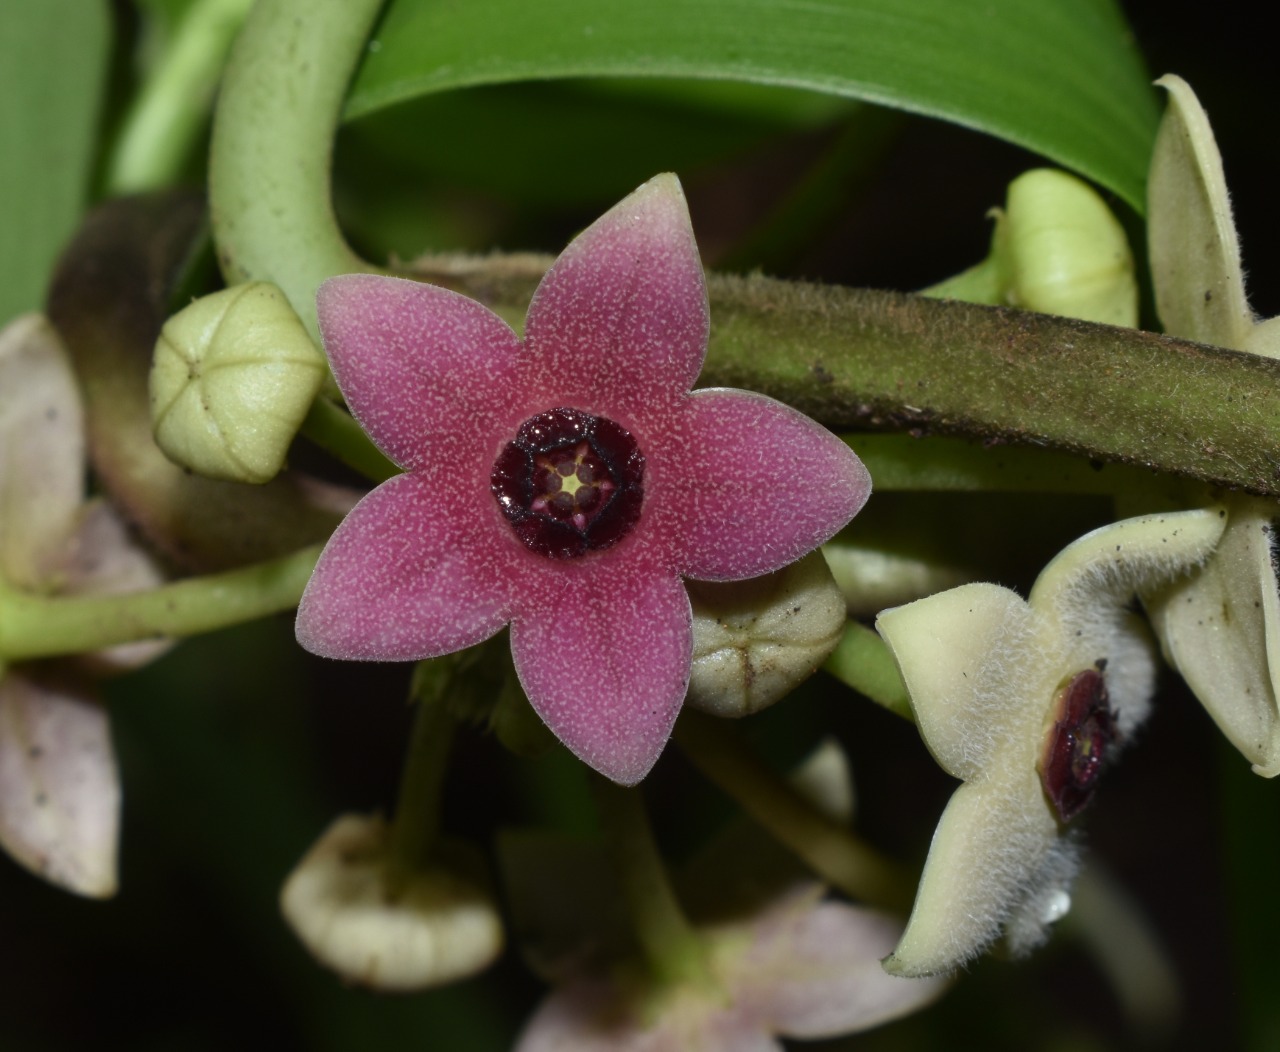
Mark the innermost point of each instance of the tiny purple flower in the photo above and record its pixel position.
(566, 482)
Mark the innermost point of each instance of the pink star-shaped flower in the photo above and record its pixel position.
(564, 483)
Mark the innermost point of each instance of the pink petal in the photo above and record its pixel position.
(754, 486)
(418, 365)
(604, 650)
(59, 787)
(620, 321)
(41, 451)
(594, 1014)
(814, 971)
(405, 577)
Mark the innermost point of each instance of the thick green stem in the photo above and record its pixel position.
(164, 122)
(670, 945)
(862, 661)
(273, 131)
(416, 825)
(826, 847)
(851, 358)
(39, 626)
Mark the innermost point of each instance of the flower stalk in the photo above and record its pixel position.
(824, 845)
(416, 825)
(35, 626)
(671, 947)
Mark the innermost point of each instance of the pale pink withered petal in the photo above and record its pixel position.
(757, 485)
(403, 579)
(419, 366)
(620, 322)
(595, 1014)
(59, 787)
(41, 450)
(102, 559)
(604, 655)
(814, 971)
(800, 967)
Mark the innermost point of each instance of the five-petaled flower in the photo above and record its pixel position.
(59, 785)
(800, 967)
(1220, 627)
(1024, 701)
(564, 483)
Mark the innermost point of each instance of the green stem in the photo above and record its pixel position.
(335, 430)
(39, 626)
(851, 358)
(417, 820)
(671, 947)
(826, 847)
(165, 120)
(269, 170)
(862, 661)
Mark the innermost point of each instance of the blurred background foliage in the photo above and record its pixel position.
(237, 749)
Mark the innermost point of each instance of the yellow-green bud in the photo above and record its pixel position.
(232, 379)
(755, 640)
(1059, 250)
(383, 928)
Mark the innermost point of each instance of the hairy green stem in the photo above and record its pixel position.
(671, 947)
(34, 626)
(851, 358)
(163, 125)
(269, 166)
(824, 845)
(862, 661)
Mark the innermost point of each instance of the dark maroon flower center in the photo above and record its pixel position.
(1082, 733)
(569, 483)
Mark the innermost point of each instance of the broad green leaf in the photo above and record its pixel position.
(53, 56)
(1056, 76)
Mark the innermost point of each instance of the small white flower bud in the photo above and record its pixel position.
(381, 928)
(755, 640)
(232, 379)
(1059, 250)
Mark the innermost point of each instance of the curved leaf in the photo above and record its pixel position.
(1056, 76)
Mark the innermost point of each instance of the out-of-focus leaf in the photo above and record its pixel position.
(53, 57)
(1058, 76)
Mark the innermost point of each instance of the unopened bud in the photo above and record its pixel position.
(378, 926)
(756, 640)
(232, 379)
(1059, 250)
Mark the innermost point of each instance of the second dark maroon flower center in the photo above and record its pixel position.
(1082, 734)
(569, 483)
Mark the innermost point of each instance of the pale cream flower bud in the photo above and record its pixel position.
(383, 928)
(755, 640)
(232, 379)
(1060, 250)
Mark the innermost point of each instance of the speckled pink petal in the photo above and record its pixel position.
(402, 579)
(814, 971)
(418, 365)
(59, 787)
(620, 322)
(756, 485)
(603, 652)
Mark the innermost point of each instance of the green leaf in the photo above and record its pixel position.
(1056, 76)
(53, 58)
